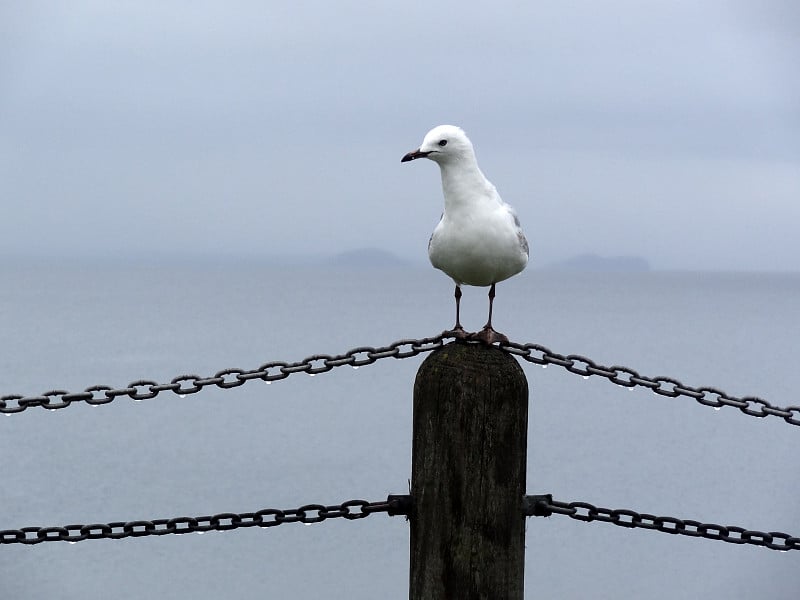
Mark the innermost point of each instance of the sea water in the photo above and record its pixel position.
(347, 433)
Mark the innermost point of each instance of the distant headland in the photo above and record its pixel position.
(367, 257)
(594, 262)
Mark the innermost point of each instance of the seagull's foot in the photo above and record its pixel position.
(488, 336)
(458, 333)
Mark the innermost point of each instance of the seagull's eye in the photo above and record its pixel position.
(443, 142)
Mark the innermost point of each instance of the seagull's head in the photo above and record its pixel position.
(443, 144)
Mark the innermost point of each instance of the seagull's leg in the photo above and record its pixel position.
(457, 331)
(488, 335)
(491, 303)
(457, 295)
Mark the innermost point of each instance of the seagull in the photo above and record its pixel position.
(478, 240)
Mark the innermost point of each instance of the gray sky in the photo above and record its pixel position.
(666, 129)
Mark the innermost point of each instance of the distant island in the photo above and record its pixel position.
(367, 257)
(594, 262)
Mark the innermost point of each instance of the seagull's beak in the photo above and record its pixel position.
(414, 154)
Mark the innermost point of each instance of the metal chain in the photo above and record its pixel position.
(544, 506)
(538, 506)
(664, 386)
(227, 378)
(366, 355)
(267, 517)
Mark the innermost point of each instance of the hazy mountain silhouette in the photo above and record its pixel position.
(594, 262)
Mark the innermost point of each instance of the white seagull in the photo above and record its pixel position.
(478, 240)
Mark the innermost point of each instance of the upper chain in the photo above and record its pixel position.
(365, 355)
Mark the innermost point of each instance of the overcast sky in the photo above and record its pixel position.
(667, 129)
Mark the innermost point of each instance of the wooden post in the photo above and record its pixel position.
(468, 475)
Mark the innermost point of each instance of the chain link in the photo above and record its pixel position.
(267, 517)
(544, 506)
(183, 385)
(663, 386)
